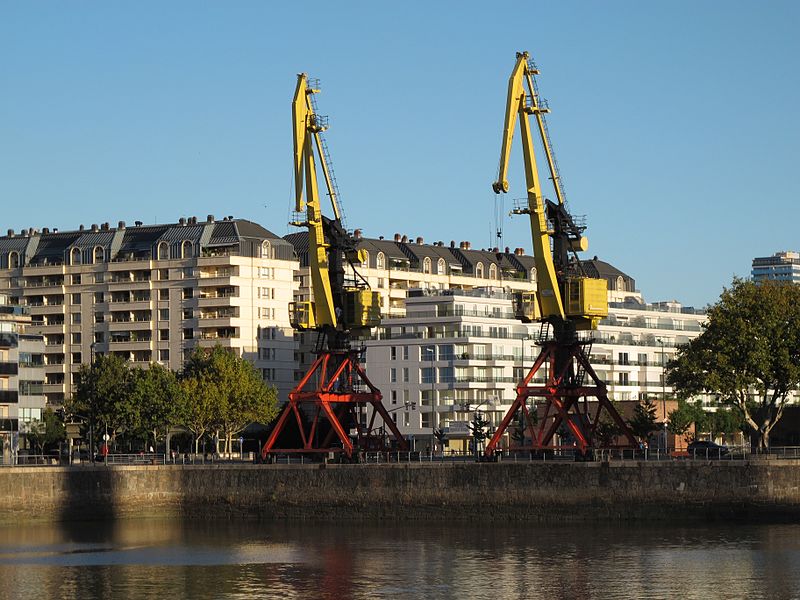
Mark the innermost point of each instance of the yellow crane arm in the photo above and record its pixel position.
(517, 107)
(306, 136)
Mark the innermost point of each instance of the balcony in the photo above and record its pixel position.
(9, 397)
(9, 340)
(9, 368)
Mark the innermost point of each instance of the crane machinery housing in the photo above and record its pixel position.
(335, 388)
(567, 301)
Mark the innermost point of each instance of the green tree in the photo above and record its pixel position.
(643, 422)
(748, 354)
(607, 430)
(197, 407)
(153, 393)
(478, 426)
(682, 418)
(237, 395)
(45, 435)
(102, 396)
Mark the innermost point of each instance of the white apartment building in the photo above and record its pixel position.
(457, 351)
(21, 377)
(152, 293)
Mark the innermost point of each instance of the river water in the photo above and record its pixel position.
(223, 559)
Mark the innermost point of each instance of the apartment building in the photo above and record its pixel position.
(781, 266)
(152, 293)
(21, 377)
(455, 351)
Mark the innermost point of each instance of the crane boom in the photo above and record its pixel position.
(564, 294)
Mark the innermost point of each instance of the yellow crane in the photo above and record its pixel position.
(567, 299)
(335, 389)
(566, 294)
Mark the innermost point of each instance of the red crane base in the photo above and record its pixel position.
(342, 388)
(562, 393)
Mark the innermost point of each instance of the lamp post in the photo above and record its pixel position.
(92, 400)
(432, 355)
(663, 389)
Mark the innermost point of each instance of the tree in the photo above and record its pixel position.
(748, 354)
(45, 434)
(102, 396)
(478, 426)
(682, 418)
(197, 408)
(607, 430)
(237, 396)
(643, 422)
(153, 394)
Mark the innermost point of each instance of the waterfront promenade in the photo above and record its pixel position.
(672, 490)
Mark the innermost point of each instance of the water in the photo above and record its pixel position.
(206, 559)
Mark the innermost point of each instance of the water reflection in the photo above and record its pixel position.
(202, 559)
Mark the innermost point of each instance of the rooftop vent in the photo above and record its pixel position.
(182, 221)
(357, 234)
(137, 223)
(10, 233)
(45, 230)
(419, 240)
(405, 239)
(95, 227)
(210, 219)
(397, 237)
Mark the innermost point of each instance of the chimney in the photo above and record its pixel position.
(468, 245)
(452, 243)
(357, 234)
(45, 230)
(508, 249)
(95, 228)
(519, 251)
(10, 233)
(121, 225)
(106, 226)
(462, 245)
(405, 239)
(419, 240)
(230, 217)
(495, 249)
(81, 227)
(55, 229)
(396, 237)
(182, 222)
(210, 219)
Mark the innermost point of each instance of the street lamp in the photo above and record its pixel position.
(663, 389)
(432, 420)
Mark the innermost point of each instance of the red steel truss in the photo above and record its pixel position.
(342, 388)
(567, 366)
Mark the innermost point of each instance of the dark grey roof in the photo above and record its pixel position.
(603, 270)
(141, 241)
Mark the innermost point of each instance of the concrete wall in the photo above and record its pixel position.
(682, 490)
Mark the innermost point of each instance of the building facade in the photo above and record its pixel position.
(781, 266)
(21, 377)
(152, 293)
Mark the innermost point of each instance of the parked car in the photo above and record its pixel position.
(706, 449)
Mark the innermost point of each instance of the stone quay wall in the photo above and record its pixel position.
(669, 490)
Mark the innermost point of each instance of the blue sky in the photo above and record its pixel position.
(674, 123)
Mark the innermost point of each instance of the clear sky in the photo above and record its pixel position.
(675, 123)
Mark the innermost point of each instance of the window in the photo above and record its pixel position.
(99, 255)
(13, 260)
(479, 270)
(393, 353)
(163, 274)
(643, 359)
(266, 249)
(187, 313)
(393, 375)
(188, 333)
(428, 375)
(187, 273)
(98, 317)
(405, 352)
(99, 337)
(405, 375)
(623, 379)
(76, 299)
(394, 396)
(186, 249)
(76, 338)
(163, 314)
(163, 251)
(163, 355)
(98, 297)
(426, 265)
(380, 261)
(163, 334)
(440, 267)
(492, 271)
(429, 353)
(75, 318)
(76, 358)
(187, 293)
(75, 258)
(623, 358)
(365, 256)
(76, 280)
(163, 294)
